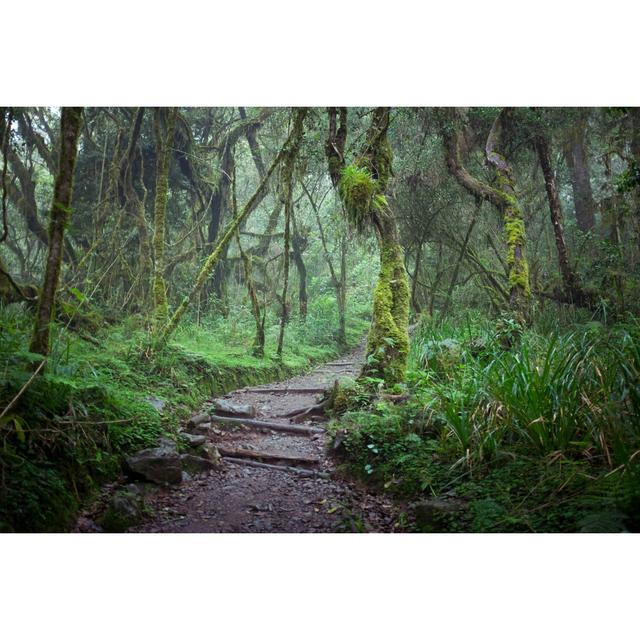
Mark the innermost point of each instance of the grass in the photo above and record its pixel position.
(535, 429)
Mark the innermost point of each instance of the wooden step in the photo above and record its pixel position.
(286, 389)
(266, 424)
(264, 465)
(264, 456)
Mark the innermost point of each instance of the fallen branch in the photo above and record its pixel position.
(24, 388)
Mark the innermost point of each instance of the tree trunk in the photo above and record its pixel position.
(635, 150)
(342, 294)
(298, 245)
(60, 213)
(573, 290)
(287, 183)
(414, 286)
(519, 288)
(258, 343)
(388, 339)
(163, 156)
(503, 198)
(576, 155)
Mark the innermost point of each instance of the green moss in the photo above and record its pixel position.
(388, 341)
(357, 189)
(514, 229)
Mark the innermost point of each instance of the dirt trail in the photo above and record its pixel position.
(238, 498)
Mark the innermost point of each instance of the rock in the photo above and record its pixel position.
(203, 429)
(160, 464)
(126, 509)
(211, 452)
(431, 515)
(226, 408)
(201, 459)
(196, 464)
(192, 439)
(338, 442)
(157, 403)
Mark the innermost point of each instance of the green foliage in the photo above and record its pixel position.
(544, 419)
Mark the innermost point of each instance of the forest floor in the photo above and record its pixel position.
(311, 497)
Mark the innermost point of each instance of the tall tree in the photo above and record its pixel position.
(362, 187)
(287, 197)
(572, 287)
(577, 159)
(70, 124)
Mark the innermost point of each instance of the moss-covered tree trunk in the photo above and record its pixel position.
(341, 292)
(388, 339)
(163, 155)
(513, 217)
(362, 187)
(503, 197)
(70, 124)
(259, 318)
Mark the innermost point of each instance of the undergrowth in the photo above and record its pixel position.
(527, 429)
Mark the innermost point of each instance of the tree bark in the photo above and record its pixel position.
(70, 124)
(573, 290)
(576, 155)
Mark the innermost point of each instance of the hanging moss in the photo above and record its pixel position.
(357, 189)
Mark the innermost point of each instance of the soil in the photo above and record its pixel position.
(236, 498)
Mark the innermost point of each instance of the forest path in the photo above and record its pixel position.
(311, 497)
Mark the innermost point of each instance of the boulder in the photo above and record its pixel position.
(160, 464)
(157, 403)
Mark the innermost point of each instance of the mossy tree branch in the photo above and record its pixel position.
(230, 231)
